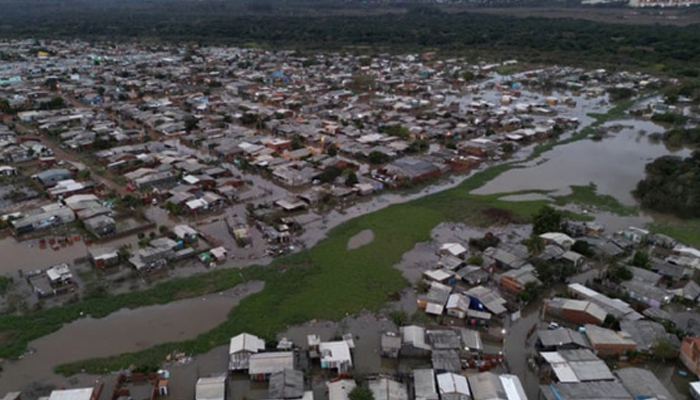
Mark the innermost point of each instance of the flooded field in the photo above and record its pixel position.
(121, 332)
(615, 164)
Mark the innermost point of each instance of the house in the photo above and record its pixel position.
(646, 293)
(391, 345)
(103, 257)
(690, 354)
(453, 387)
(579, 312)
(155, 255)
(560, 239)
(473, 275)
(647, 334)
(446, 361)
(388, 389)
(489, 386)
(262, 365)
(43, 218)
(438, 275)
(413, 341)
(471, 342)
(241, 348)
(571, 366)
(607, 342)
(434, 301)
(336, 355)
(561, 339)
(286, 384)
(210, 388)
(618, 308)
(100, 226)
(412, 169)
(573, 259)
(585, 391)
(51, 177)
(340, 389)
(424, 384)
(504, 258)
(643, 384)
(6, 170)
(59, 275)
(452, 249)
(485, 299)
(515, 280)
(457, 305)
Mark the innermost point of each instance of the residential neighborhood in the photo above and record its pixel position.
(131, 167)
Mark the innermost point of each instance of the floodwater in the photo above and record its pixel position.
(28, 255)
(362, 238)
(615, 164)
(121, 332)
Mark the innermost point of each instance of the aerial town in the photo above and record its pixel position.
(127, 166)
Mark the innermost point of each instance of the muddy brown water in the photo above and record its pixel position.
(121, 332)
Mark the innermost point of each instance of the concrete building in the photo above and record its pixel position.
(579, 312)
(607, 342)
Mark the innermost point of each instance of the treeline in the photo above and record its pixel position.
(421, 28)
(672, 185)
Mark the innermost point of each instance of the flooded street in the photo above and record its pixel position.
(121, 332)
(614, 164)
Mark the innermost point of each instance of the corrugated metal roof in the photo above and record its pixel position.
(452, 383)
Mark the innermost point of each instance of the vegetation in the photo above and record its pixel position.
(619, 273)
(679, 137)
(360, 393)
(665, 48)
(641, 260)
(685, 231)
(546, 220)
(672, 185)
(588, 196)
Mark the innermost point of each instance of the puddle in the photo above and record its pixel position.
(361, 239)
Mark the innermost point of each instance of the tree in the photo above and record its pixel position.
(399, 317)
(547, 219)
(191, 123)
(298, 142)
(360, 393)
(351, 179)
(332, 151)
(619, 273)
(534, 244)
(377, 157)
(641, 260)
(475, 259)
(664, 349)
(529, 292)
(329, 174)
(582, 247)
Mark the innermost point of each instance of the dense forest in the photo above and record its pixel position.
(672, 185)
(662, 48)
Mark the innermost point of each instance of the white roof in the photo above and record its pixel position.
(246, 342)
(268, 363)
(695, 387)
(449, 383)
(210, 388)
(335, 351)
(513, 387)
(437, 274)
(453, 248)
(435, 309)
(339, 390)
(218, 252)
(72, 394)
(196, 203)
(557, 237)
(687, 251)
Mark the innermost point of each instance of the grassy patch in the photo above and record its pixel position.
(325, 282)
(588, 196)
